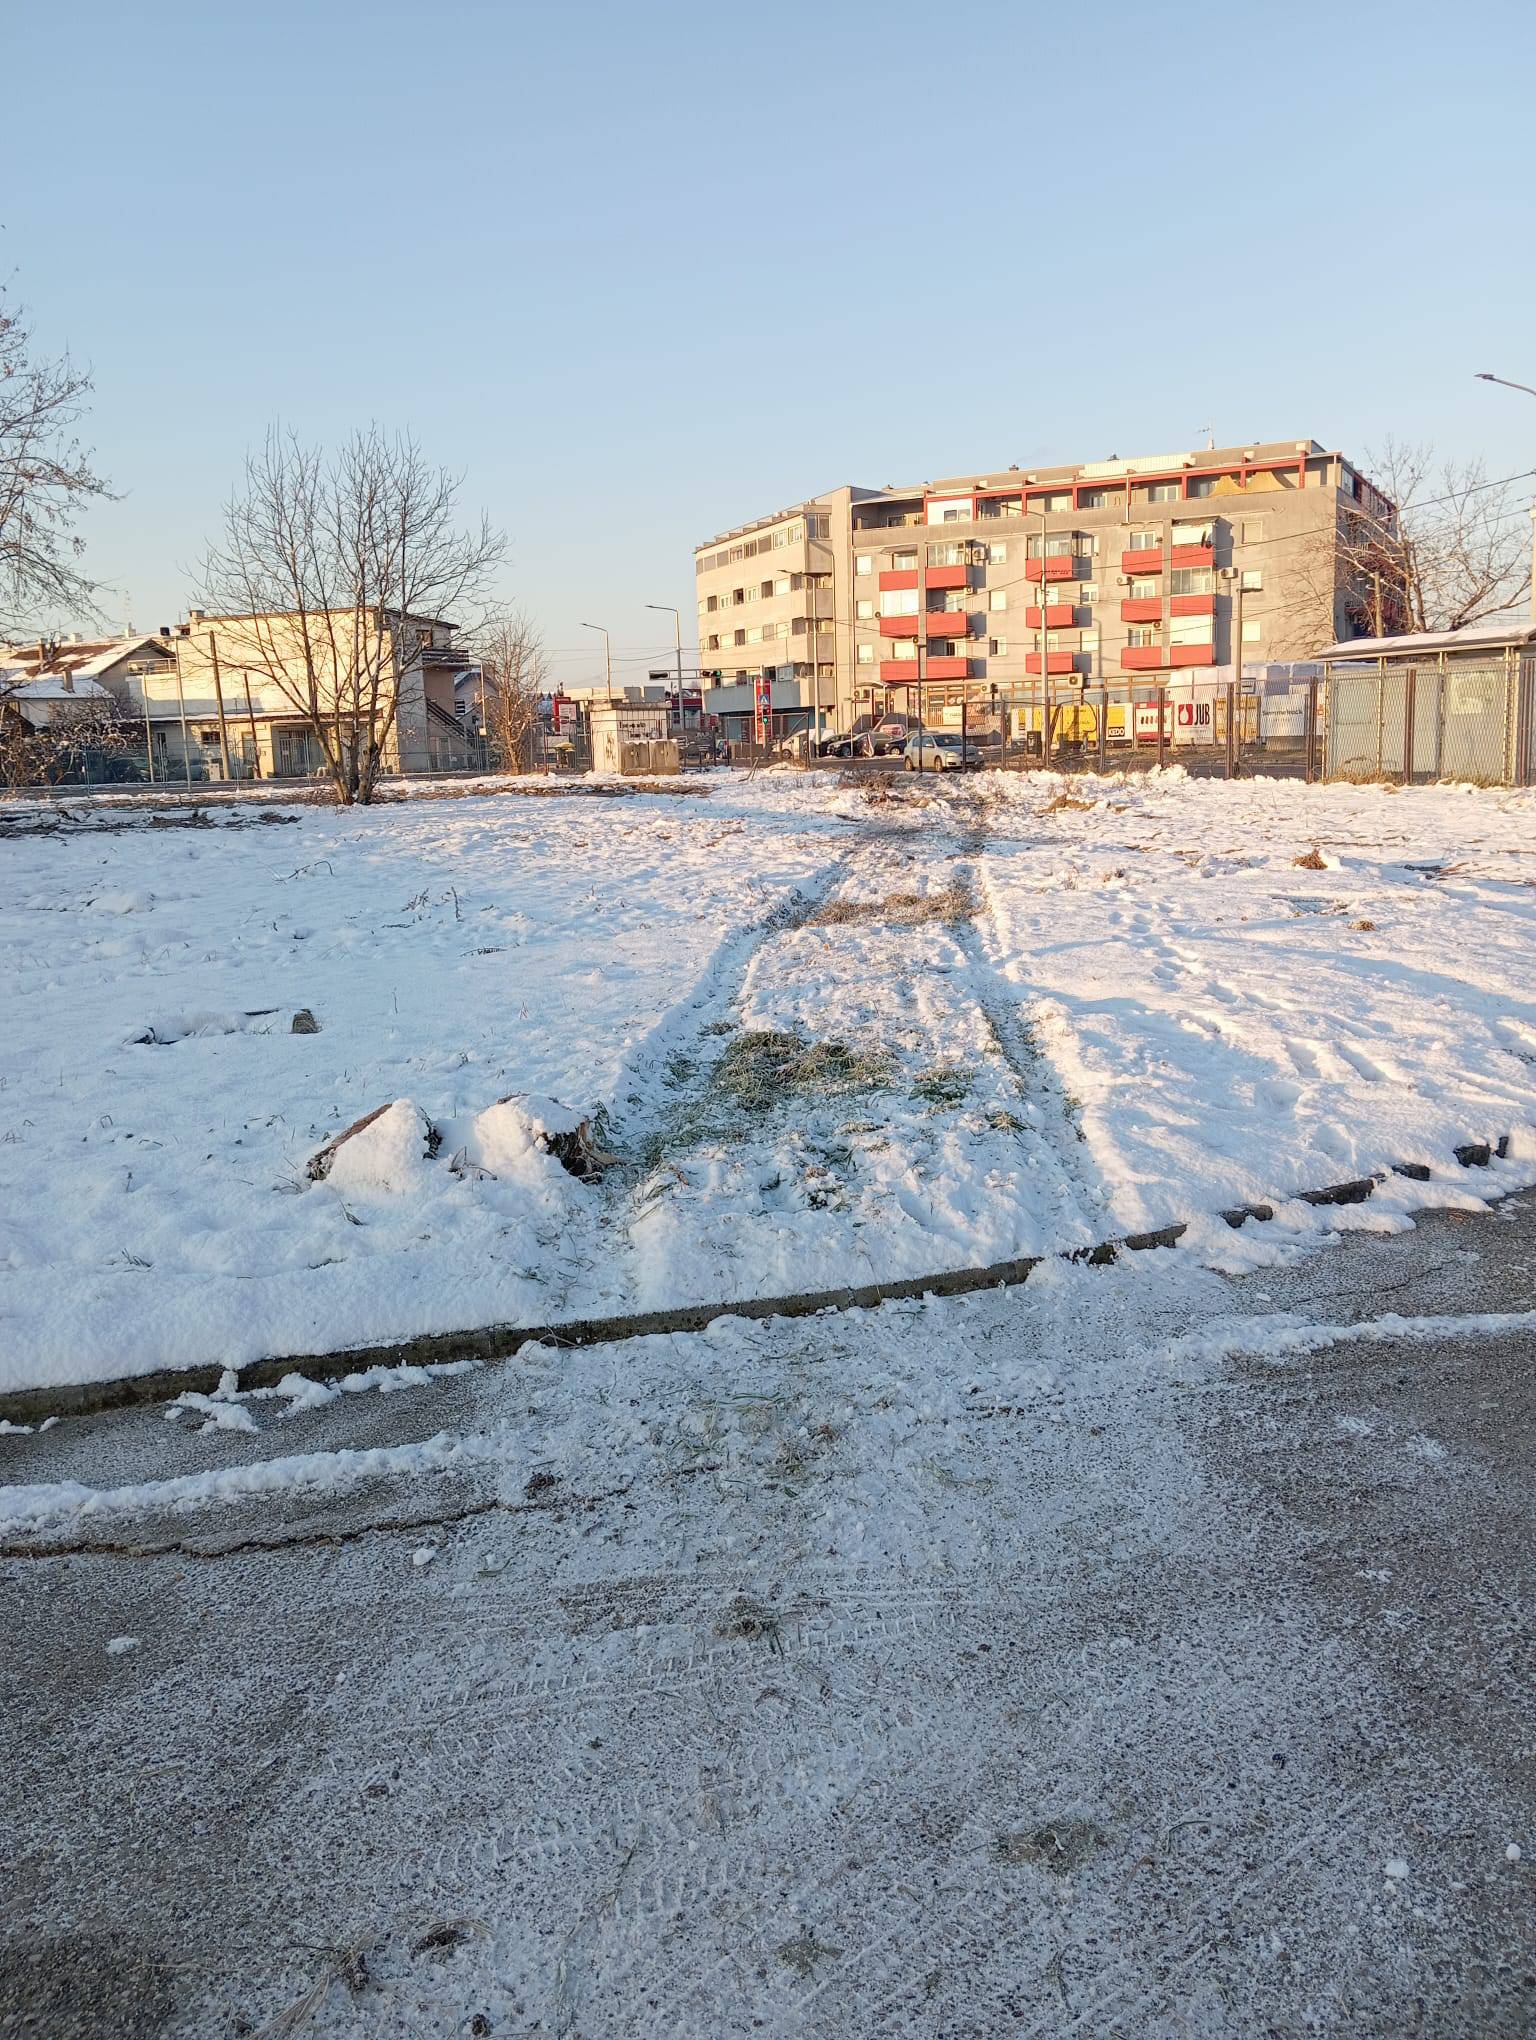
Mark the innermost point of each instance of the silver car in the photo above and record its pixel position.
(938, 751)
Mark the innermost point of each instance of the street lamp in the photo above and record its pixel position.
(607, 655)
(1484, 376)
(677, 618)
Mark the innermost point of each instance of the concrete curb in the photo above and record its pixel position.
(501, 1342)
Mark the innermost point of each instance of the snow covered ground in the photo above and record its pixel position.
(829, 1032)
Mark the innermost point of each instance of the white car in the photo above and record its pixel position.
(938, 751)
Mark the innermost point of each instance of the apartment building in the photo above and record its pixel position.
(1118, 573)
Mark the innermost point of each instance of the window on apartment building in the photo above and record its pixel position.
(904, 648)
(990, 508)
(1205, 485)
(1089, 641)
(1253, 580)
(1088, 592)
(1142, 587)
(997, 555)
(898, 602)
(1253, 531)
(997, 598)
(1253, 630)
(738, 637)
(1193, 531)
(794, 534)
(1144, 635)
(864, 563)
(766, 589)
(1191, 630)
(712, 604)
(904, 561)
(1191, 581)
(866, 655)
(1057, 500)
(1096, 499)
(997, 648)
(825, 625)
(712, 644)
(754, 636)
(1144, 540)
(864, 607)
(1058, 546)
(1156, 492)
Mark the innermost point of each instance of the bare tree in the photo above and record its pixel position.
(46, 479)
(1456, 550)
(514, 674)
(329, 575)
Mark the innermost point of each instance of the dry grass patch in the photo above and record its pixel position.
(1063, 801)
(1311, 860)
(954, 903)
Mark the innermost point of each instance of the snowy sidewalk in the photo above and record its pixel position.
(1079, 1659)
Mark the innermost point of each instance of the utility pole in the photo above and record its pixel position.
(1045, 692)
(218, 695)
(1234, 579)
(181, 697)
(250, 716)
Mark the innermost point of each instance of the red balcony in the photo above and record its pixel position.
(1142, 609)
(1055, 662)
(898, 577)
(1192, 605)
(1142, 658)
(954, 623)
(946, 577)
(1193, 655)
(898, 670)
(1142, 560)
(898, 626)
(1059, 567)
(948, 669)
(1192, 556)
(1058, 616)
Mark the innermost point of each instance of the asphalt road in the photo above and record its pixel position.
(1144, 1697)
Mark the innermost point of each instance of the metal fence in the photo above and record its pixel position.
(1458, 719)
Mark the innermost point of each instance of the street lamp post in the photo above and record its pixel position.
(607, 655)
(677, 620)
(1484, 376)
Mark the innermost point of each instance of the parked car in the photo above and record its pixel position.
(939, 751)
(878, 736)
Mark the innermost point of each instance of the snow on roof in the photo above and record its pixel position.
(1511, 630)
(103, 661)
(56, 687)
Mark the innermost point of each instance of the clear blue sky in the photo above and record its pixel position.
(646, 271)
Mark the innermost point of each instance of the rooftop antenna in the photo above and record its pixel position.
(1210, 438)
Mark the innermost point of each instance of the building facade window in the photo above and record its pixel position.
(1144, 540)
(1191, 581)
(864, 608)
(1253, 580)
(997, 648)
(1142, 587)
(864, 563)
(866, 655)
(1144, 635)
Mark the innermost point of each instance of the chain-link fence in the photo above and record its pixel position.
(1467, 720)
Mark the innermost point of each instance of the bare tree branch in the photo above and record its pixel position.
(1457, 550)
(514, 674)
(46, 479)
(329, 577)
